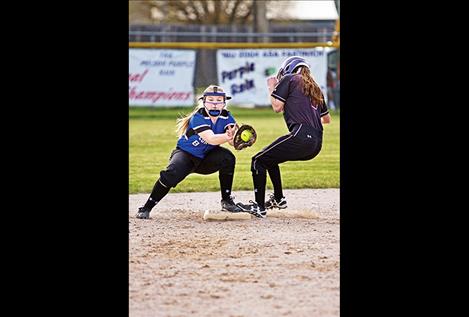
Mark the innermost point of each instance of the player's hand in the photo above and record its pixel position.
(230, 132)
(271, 82)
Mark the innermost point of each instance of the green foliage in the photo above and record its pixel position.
(152, 137)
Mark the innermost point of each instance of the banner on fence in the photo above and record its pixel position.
(243, 73)
(161, 77)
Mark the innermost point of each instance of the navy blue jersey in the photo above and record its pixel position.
(298, 108)
(192, 143)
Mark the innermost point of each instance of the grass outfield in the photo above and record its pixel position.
(152, 137)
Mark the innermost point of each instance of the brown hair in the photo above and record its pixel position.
(311, 88)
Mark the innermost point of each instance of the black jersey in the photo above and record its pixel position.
(298, 108)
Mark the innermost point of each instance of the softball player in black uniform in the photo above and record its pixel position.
(198, 150)
(294, 92)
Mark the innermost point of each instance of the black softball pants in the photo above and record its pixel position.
(301, 144)
(181, 164)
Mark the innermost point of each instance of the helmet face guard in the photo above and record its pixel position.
(215, 113)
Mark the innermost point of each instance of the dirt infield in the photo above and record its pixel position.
(181, 265)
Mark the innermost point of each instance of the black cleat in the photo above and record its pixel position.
(143, 213)
(253, 209)
(229, 205)
(273, 203)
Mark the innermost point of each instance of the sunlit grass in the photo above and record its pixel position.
(152, 137)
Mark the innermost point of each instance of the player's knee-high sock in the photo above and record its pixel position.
(259, 178)
(225, 175)
(159, 191)
(274, 173)
(226, 183)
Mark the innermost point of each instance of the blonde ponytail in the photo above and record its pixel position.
(182, 123)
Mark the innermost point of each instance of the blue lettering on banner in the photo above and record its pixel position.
(167, 72)
(181, 64)
(169, 64)
(248, 54)
(236, 89)
(241, 70)
(228, 54)
(153, 63)
(303, 53)
(270, 54)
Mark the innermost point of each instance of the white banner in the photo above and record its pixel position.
(243, 73)
(161, 77)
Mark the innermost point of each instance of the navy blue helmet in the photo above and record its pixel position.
(290, 65)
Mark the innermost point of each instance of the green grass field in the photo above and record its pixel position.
(152, 137)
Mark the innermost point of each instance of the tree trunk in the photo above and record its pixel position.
(261, 25)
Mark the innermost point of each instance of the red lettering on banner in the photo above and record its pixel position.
(137, 77)
(155, 96)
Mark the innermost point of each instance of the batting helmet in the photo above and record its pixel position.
(290, 65)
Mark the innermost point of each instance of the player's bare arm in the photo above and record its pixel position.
(215, 139)
(277, 105)
(326, 119)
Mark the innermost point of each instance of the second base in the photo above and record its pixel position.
(225, 215)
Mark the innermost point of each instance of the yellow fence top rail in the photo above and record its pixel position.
(215, 45)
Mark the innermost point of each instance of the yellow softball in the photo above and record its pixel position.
(246, 135)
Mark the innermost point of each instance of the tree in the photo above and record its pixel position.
(199, 11)
(140, 12)
(191, 11)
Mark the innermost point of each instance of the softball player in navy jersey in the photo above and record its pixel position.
(294, 92)
(198, 151)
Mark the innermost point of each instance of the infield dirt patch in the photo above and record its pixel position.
(181, 265)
